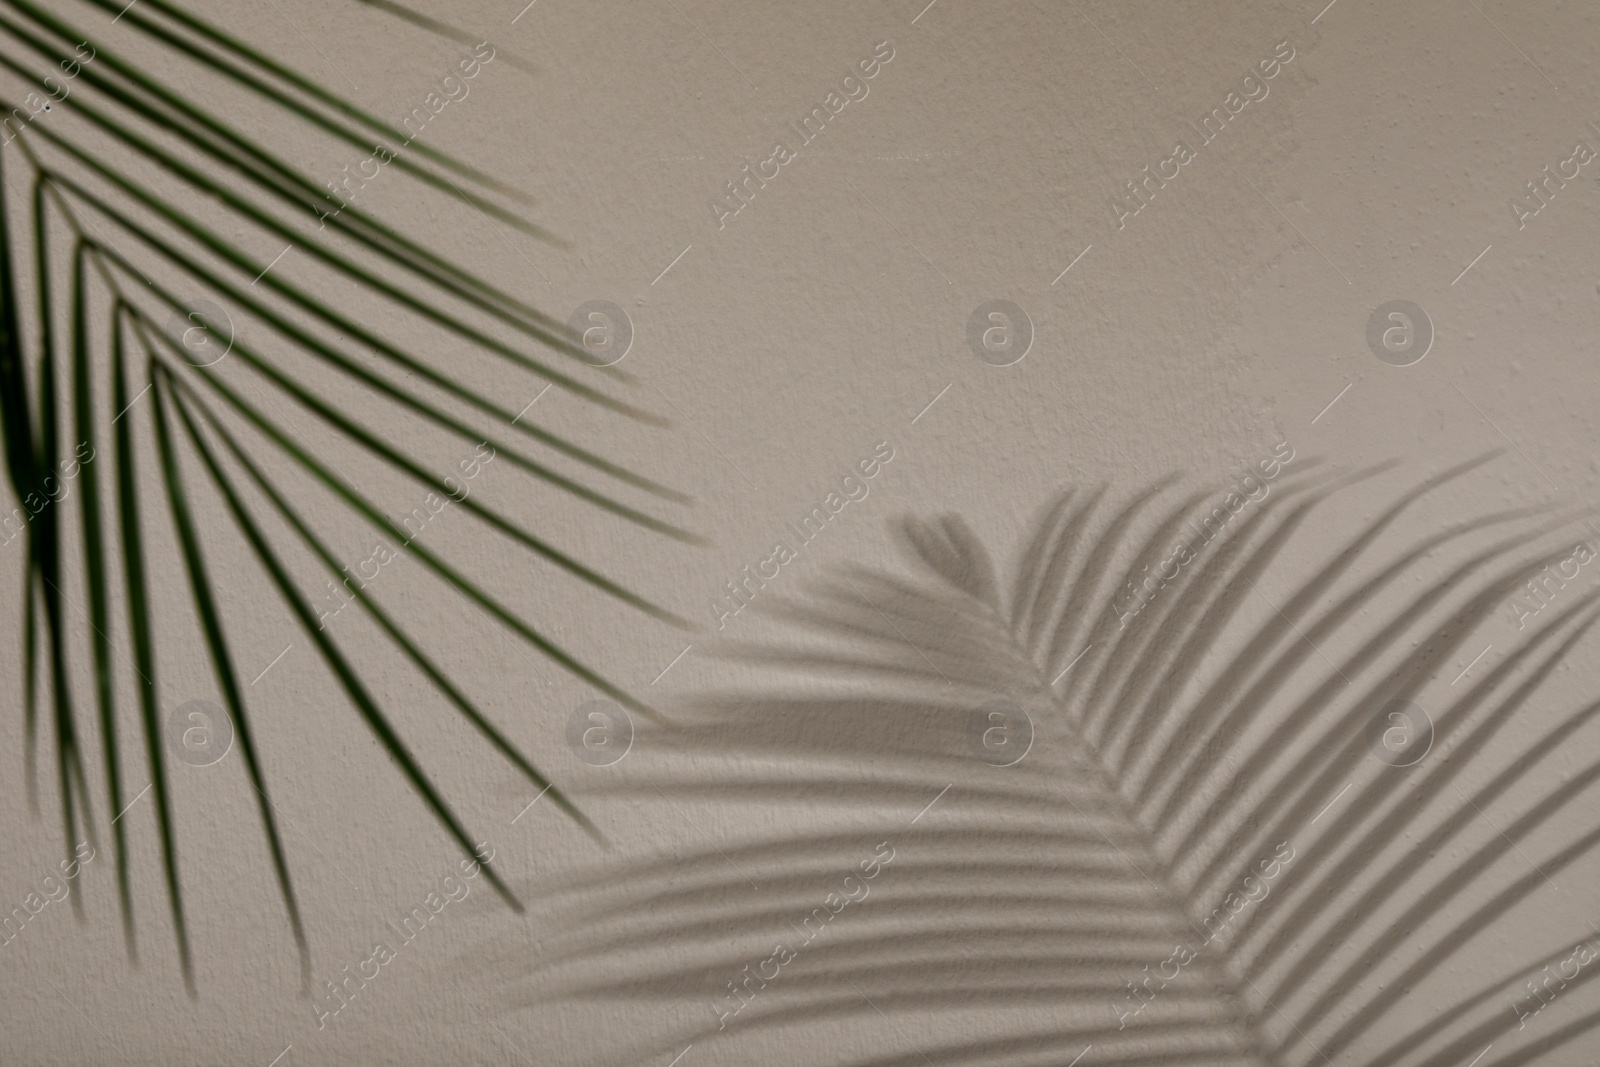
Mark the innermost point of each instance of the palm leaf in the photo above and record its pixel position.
(124, 207)
(1035, 905)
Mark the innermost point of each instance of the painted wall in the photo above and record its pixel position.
(987, 157)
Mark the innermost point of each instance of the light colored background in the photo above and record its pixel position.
(825, 317)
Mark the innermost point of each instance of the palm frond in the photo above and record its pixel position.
(1192, 851)
(122, 201)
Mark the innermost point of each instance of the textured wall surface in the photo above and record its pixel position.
(1190, 328)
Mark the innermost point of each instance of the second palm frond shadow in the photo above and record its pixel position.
(1198, 846)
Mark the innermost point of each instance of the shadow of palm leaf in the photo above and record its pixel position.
(1181, 835)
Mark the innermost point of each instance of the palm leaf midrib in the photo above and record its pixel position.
(1228, 985)
(1123, 731)
(1125, 832)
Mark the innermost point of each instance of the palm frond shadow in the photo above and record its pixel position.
(1181, 835)
(126, 206)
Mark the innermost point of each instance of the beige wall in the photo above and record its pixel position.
(817, 322)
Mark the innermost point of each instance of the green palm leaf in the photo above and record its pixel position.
(124, 205)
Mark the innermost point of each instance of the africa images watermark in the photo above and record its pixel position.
(455, 90)
(1253, 890)
(782, 955)
(55, 891)
(66, 470)
(1544, 986)
(1255, 89)
(743, 190)
(1543, 189)
(1251, 489)
(1544, 587)
(414, 523)
(452, 890)
(742, 591)
(36, 105)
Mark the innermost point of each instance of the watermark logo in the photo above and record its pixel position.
(1400, 734)
(1399, 333)
(203, 330)
(340, 990)
(999, 333)
(748, 983)
(1000, 733)
(741, 192)
(1547, 183)
(602, 330)
(199, 733)
(851, 488)
(600, 732)
(1251, 88)
(1252, 890)
(1145, 585)
(1545, 586)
